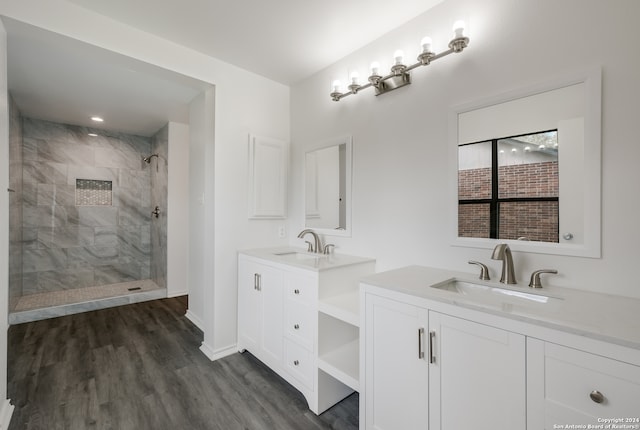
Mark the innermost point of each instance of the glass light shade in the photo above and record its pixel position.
(458, 29)
(375, 68)
(335, 86)
(426, 44)
(398, 56)
(354, 77)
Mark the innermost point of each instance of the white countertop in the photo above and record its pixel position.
(300, 258)
(614, 319)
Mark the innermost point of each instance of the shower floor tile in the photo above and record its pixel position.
(41, 306)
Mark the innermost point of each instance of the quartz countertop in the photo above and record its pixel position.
(610, 318)
(300, 258)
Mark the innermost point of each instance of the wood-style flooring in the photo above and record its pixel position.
(138, 367)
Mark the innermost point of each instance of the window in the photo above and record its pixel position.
(508, 188)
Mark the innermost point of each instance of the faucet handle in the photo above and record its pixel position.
(309, 246)
(535, 277)
(484, 270)
(328, 248)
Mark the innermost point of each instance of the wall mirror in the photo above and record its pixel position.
(328, 187)
(526, 168)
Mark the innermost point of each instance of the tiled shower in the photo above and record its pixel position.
(81, 214)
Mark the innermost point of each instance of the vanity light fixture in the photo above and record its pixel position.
(400, 76)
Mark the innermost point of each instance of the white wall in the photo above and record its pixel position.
(244, 103)
(401, 159)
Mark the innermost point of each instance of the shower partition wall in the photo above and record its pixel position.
(86, 213)
(159, 198)
(15, 205)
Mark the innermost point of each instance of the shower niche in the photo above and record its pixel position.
(93, 192)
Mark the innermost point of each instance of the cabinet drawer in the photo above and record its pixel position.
(300, 324)
(299, 363)
(302, 289)
(570, 378)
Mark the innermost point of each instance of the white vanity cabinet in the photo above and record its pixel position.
(296, 314)
(428, 370)
(441, 360)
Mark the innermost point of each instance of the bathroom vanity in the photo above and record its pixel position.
(444, 350)
(298, 312)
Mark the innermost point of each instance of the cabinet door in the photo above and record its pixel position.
(260, 311)
(477, 378)
(396, 371)
(249, 306)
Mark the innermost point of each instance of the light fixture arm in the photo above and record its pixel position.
(400, 75)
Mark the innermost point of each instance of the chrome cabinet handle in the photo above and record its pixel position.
(432, 356)
(596, 396)
(296, 326)
(296, 291)
(420, 348)
(257, 281)
(296, 362)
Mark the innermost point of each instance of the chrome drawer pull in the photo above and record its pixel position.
(296, 362)
(596, 396)
(296, 291)
(296, 326)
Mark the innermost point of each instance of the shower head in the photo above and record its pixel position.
(148, 159)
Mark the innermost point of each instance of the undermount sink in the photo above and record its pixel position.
(484, 292)
(298, 256)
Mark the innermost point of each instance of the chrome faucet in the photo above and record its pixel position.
(317, 245)
(503, 252)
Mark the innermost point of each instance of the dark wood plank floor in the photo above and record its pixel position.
(139, 367)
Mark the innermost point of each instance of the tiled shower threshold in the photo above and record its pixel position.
(53, 304)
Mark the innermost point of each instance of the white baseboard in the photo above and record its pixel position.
(171, 294)
(214, 355)
(195, 320)
(5, 414)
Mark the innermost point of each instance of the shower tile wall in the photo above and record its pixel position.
(159, 181)
(15, 204)
(68, 246)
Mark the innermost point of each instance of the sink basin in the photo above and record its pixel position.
(489, 292)
(298, 256)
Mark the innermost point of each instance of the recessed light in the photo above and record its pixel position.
(93, 135)
(97, 119)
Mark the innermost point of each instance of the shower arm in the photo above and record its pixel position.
(148, 159)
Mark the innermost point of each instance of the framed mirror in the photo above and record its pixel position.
(526, 168)
(328, 187)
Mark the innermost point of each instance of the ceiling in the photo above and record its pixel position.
(284, 40)
(56, 78)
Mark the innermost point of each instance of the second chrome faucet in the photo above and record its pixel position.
(508, 276)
